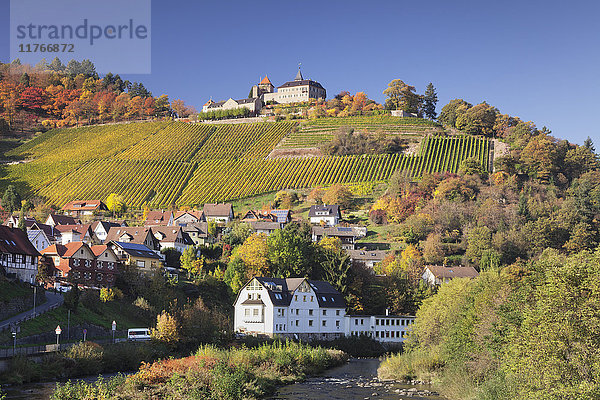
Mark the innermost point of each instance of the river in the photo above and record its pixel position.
(356, 379)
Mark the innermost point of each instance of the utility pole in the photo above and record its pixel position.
(34, 296)
(68, 324)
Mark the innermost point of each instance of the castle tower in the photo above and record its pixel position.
(266, 86)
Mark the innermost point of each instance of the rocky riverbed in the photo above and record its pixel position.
(355, 380)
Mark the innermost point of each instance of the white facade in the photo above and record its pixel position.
(383, 328)
(25, 267)
(300, 313)
(329, 220)
(303, 309)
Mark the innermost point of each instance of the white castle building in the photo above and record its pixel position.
(305, 309)
(298, 90)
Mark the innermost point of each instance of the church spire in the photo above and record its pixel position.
(299, 74)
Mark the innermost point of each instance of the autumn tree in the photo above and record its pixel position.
(452, 110)
(338, 194)
(402, 97)
(477, 120)
(116, 203)
(167, 329)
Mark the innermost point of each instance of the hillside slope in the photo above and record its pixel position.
(172, 163)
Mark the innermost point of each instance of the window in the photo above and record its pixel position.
(255, 312)
(99, 276)
(324, 322)
(280, 312)
(247, 312)
(337, 324)
(310, 312)
(295, 297)
(387, 321)
(297, 322)
(337, 312)
(249, 296)
(304, 299)
(324, 312)
(141, 264)
(76, 262)
(362, 321)
(310, 322)
(76, 275)
(355, 322)
(87, 276)
(377, 334)
(312, 298)
(376, 322)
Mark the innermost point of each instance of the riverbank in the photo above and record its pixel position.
(213, 373)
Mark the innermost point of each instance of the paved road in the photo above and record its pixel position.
(52, 299)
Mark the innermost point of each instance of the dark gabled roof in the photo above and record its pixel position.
(48, 229)
(332, 209)
(335, 231)
(15, 241)
(264, 225)
(304, 82)
(361, 255)
(245, 101)
(60, 219)
(281, 291)
(136, 250)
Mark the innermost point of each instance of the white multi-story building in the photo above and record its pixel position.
(305, 309)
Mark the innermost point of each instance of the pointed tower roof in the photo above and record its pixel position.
(299, 76)
(265, 81)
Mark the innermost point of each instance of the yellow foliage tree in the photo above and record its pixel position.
(166, 329)
(116, 203)
(254, 253)
(330, 243)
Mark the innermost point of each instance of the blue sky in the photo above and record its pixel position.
(538, 60)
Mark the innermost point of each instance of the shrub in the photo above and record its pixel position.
(87, 356)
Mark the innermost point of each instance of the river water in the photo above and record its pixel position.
(356, 379)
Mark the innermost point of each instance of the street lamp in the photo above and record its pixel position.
(15, 329)
(114, 328)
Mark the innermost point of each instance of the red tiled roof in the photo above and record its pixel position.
(217, 209)
(265, 80)
(98, 249)
(84, 205)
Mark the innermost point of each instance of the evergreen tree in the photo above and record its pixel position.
(588, 144)
(11, 201)
(24, 79)
(430, 100)
(56, 65)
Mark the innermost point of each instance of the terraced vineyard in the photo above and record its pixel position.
(371, 124)
(171, 163)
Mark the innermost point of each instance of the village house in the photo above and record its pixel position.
(265, 227)
(51, 233)
(38, 239)
(293, 307)
(184, 218)
(83, 208)
(145, 259)
(58, 219)
(282, 216)
(347, 234)
(13, 221)
(172, 237)
(159, 217)
(218, 212)
(18, 257)
(303, 309)
(74, 233)
(101, 228)
(324, 214)
(77, 262)
(133, 234)
(367, 257)
(198, 233)
(438, 274)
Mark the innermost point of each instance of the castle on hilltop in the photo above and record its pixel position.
(298, 90)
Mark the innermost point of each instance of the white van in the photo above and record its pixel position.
(138, 334)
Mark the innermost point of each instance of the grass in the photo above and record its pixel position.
(11, 290)
(213, 373)
(121, 312)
